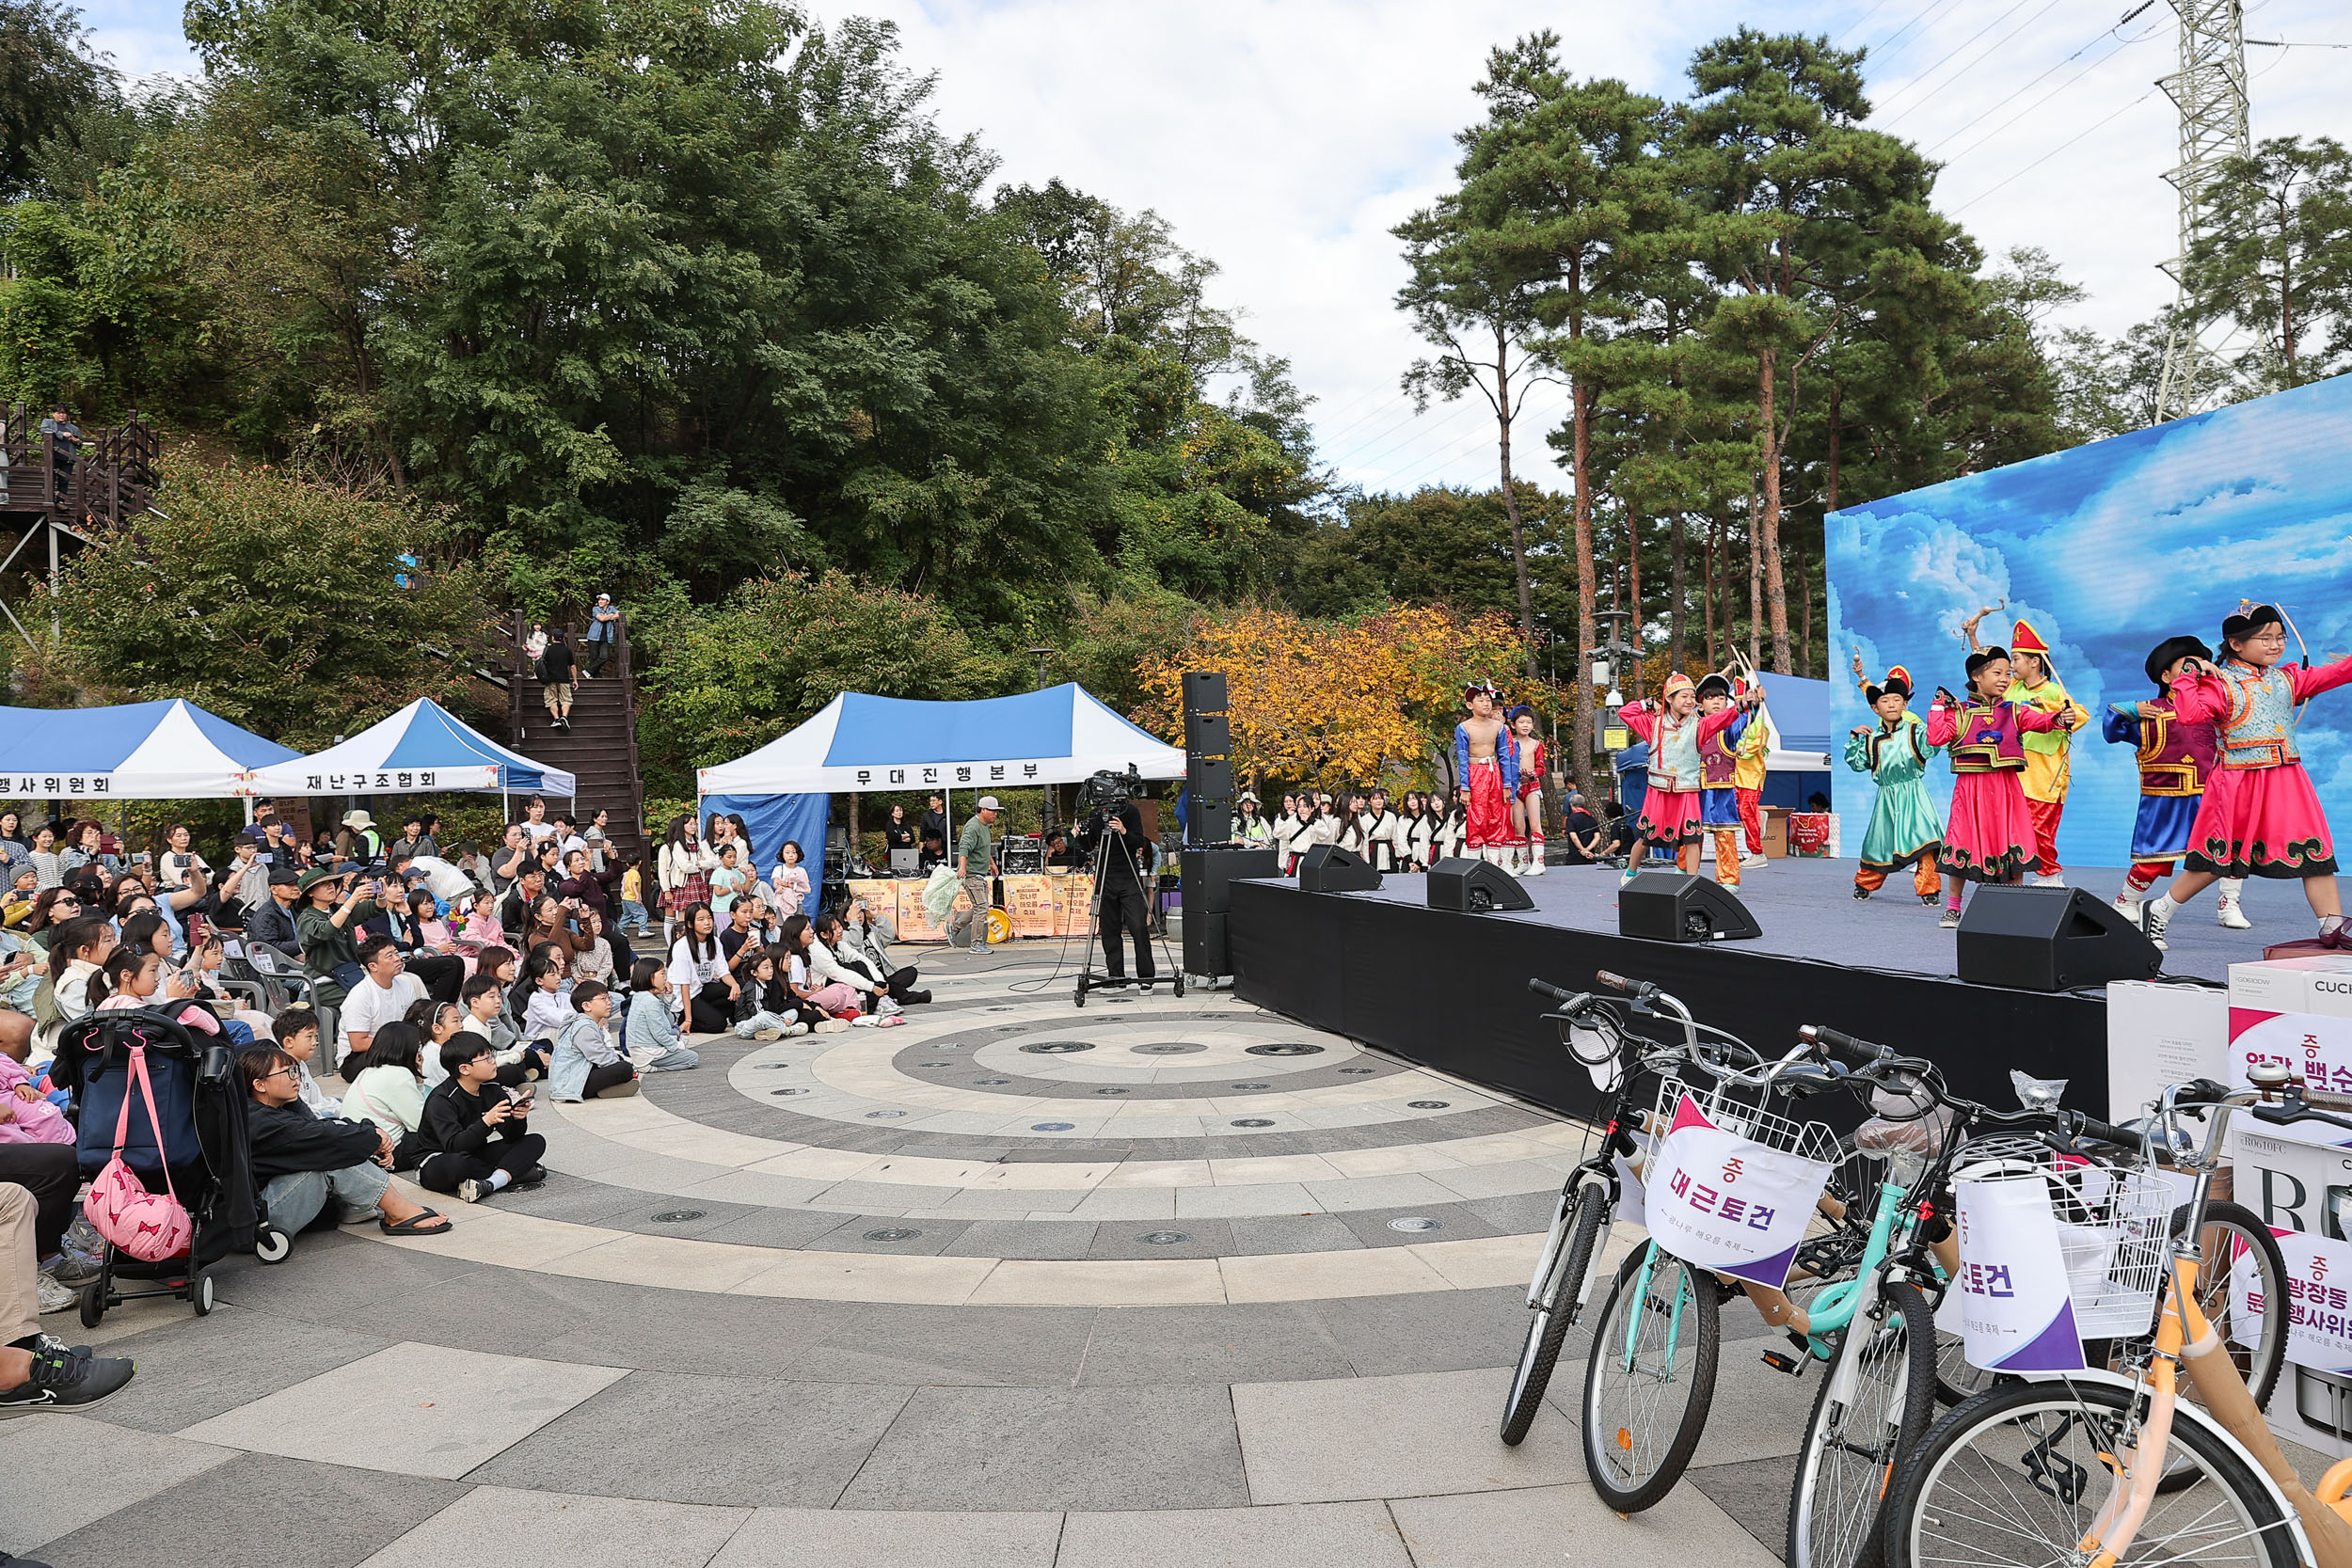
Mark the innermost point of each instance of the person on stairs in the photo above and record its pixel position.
(556, 668)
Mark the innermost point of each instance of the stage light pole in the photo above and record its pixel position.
(1609, 663)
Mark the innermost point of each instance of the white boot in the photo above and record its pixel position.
(2127, 905)
(1535, 857)
(2230, 912)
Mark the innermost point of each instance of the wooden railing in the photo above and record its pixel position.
(110, 477)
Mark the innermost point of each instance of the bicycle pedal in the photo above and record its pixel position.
(1781, 1361)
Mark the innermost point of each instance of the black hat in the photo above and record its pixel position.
(1714, 685)
(284, 876)
(2248, 621)
(1981, 657)
(1897, 682)
(2170, 652)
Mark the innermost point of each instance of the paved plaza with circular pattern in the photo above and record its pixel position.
(1161, 1281)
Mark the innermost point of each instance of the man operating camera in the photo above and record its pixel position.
(1113, 839)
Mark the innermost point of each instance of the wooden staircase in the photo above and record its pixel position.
(600, 748)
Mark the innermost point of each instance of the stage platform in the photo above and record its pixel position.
(1449, 990)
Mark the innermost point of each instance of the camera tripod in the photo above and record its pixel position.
(1087, 979)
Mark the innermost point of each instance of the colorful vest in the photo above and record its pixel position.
(1987, 738)
(2173, 756)
(1674, 755)
(2259, 730)
(2051, 698)
(1719, 756)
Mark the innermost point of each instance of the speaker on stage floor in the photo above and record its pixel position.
(1474, 887)
(1676, 907)
(1329, 868)
(2050, 938)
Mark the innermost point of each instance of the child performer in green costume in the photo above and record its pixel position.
(1904, 828)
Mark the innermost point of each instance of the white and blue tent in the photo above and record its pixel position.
(420, 747)
(860, 742)
(170, 750)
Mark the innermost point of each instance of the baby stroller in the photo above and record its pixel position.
(201, 1095)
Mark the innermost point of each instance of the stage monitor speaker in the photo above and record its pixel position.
(1674, 907)
(1207, 877)
(2050, 938)
(1204, 690)
(1208, 778)
(1474, 887)
(1208, 735)
(1208, 950)
(1329, 868)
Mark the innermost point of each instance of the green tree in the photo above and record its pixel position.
(50, 77)
(245, 584)
(2274, 259)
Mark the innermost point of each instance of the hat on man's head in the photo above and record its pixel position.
(357, 818)
(1513, 717)
(284, 876)
(604, 598)
(316, 874)
(988, 802)
(1472, 689)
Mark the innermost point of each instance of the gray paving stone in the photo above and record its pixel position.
(1348, 1438)
(1206, 1238)
(1517, 1213)
(726, 1439)
(1754, 1493)
(333, 1279)
(1023, 1239)
(1256, 1342)
(777, 1227)
(1057, 1449)
(1315, 1535)
(1431, 1331)
(844, 1538)
(578, 1200)
(1455, 1222)
(256, 1508)
(969, 1346)
(194, 1368)
(1256, 1235)
(493, 1528)
(931, 1236)
(1511, 1529)
(48, 1461)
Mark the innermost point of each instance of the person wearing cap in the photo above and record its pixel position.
(271, 920)
(1673, 728)
(604, 630)
(1904, 827)
(975, 864)
(2049, 766)
(2260, 815)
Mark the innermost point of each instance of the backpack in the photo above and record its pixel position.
(132, 1219)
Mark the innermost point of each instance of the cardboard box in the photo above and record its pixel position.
(2159, 1034)
(2319, 982)
(1775, 832)
(2299, 1180)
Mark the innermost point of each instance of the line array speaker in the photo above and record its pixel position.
(1207, 765)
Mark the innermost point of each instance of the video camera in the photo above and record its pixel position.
(1108, 790)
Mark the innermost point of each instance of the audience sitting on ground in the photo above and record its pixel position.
(765, 1010)
(698, 968)
(296, 1032)
(388, 1089)
(865, 939)
(874, 996)
(302, 1161)
(476, 1128)
(651, 1037)
(384, 992)
(585, 1064)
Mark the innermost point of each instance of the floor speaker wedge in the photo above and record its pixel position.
(2050, 938)
(1329, 868)
(1474, 887)
(1673, 906)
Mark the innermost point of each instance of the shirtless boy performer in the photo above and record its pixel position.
(1527, 805)
(1489, 768)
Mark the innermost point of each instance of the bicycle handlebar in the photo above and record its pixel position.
(1833, 1042)
(1620, 983)
(1544, 987)
(2295, 1110)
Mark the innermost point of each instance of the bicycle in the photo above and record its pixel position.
(2110, 1465)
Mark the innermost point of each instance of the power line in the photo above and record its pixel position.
(2087, 69)
(1855, 26)
(2052, 153)
(1888, 42)
(2003, 102)
(1996, 47)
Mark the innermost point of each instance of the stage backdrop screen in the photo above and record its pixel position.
(2108, 550)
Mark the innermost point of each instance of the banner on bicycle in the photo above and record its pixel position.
(2011, 1302)
(1725, 1202)
(2319, 1304)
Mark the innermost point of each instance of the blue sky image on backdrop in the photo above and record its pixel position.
(2108, 550)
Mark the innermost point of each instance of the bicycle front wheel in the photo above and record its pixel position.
(2019, 1473)
(1559, 1291)
(1649, 1378)
(1852, 1444)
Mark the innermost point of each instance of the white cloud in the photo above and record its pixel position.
(1285, 139)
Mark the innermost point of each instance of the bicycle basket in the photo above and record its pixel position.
(1809, 1140)
(2114, 1223)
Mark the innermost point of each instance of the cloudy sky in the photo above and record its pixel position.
(1284, 140)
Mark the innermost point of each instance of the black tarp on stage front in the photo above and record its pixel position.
(1449, 990)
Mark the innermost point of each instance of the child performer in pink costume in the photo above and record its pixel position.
(2259, 817)
(1989, 833)
(1670, 805)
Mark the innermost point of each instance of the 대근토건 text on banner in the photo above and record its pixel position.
(1725, 1202)
(2011, 1302)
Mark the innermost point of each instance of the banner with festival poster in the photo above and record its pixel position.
(2011, 1302)
(1073, 903)
(2319, 1299)
(2314, 1047)
(915, 918)
(881, 895)
(1031, 902)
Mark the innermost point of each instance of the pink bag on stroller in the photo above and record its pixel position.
(136, 1222)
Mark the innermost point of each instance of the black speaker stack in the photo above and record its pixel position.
(1209, 863)
(2050, 938)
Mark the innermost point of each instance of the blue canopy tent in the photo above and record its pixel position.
(161, 751)
(1799, 763)
(860, 742)
(423, 747)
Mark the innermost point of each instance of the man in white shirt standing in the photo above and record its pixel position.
(383, 996)
(536, 821)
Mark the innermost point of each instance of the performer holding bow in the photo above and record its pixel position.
(2259, 817)
(2176, 758)
(1526, 807)
(2049, 764)
(1719, 768)
(1904, 829)
(1488, 765)
(1989, 836)
(1670, 806)
(1747, 780)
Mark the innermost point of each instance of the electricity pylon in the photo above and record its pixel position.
(2209, 89)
